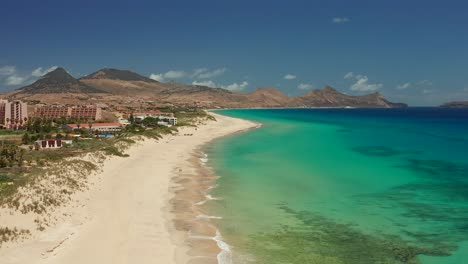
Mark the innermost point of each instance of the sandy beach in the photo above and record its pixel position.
(136, 210)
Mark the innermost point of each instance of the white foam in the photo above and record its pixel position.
(212, 187)
(201, 202)
(205, 158)
(208, 198)
(203, 216)
(225, 256)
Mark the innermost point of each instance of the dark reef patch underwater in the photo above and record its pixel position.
(383, 151)
(320, 240)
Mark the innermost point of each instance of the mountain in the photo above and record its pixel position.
(127, 83)
(116, 74)
(57, 81)
(329, 97)
(123, 82)
(267, 97)
(126, 88)
(456, 104)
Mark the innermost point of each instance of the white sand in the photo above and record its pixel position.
(124, 217)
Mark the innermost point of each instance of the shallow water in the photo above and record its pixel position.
(344, 186)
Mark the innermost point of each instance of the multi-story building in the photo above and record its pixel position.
(13, 114)
(88, 112)
(52, 111)
(99, 127)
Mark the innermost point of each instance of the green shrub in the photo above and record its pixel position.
(5, 178)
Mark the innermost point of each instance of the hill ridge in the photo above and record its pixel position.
(125, 83)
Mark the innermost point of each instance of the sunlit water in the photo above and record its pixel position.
(345, 186)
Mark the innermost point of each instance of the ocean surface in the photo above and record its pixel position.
(362, 186)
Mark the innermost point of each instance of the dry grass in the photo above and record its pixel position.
(50, 178)
(8, 234)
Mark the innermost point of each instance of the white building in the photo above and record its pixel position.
(123, 121)
(51, 143)
(100, 127)
(163, 120)
(169, 119)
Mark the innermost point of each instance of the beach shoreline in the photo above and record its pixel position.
(130, 212)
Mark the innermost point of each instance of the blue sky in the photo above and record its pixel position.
(411, 51)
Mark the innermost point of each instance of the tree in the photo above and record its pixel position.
(47, 127)
(3, 162)
(36, 127)
(62, 121)
(26, 139)
(20, 157)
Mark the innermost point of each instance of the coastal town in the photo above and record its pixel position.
(34, 124)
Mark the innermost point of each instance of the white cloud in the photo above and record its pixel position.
(157, 77)
(170, 75)
(15, 80)
(39, 72)
(204, 73)
(174, 74)
(232, 87)
(340, 20)
(362, 84)
(349, 75)
(403, 86)
(236, 86)
(425, 83)
(305, 86)
(205, 83)
(198, 71)
(7, 70)
(289, 77)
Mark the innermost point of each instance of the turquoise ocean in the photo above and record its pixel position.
(344, 186)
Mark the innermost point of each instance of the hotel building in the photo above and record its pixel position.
(100, 127)
(88, 112)
(13, 114)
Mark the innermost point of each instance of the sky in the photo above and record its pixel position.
(411, 51)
